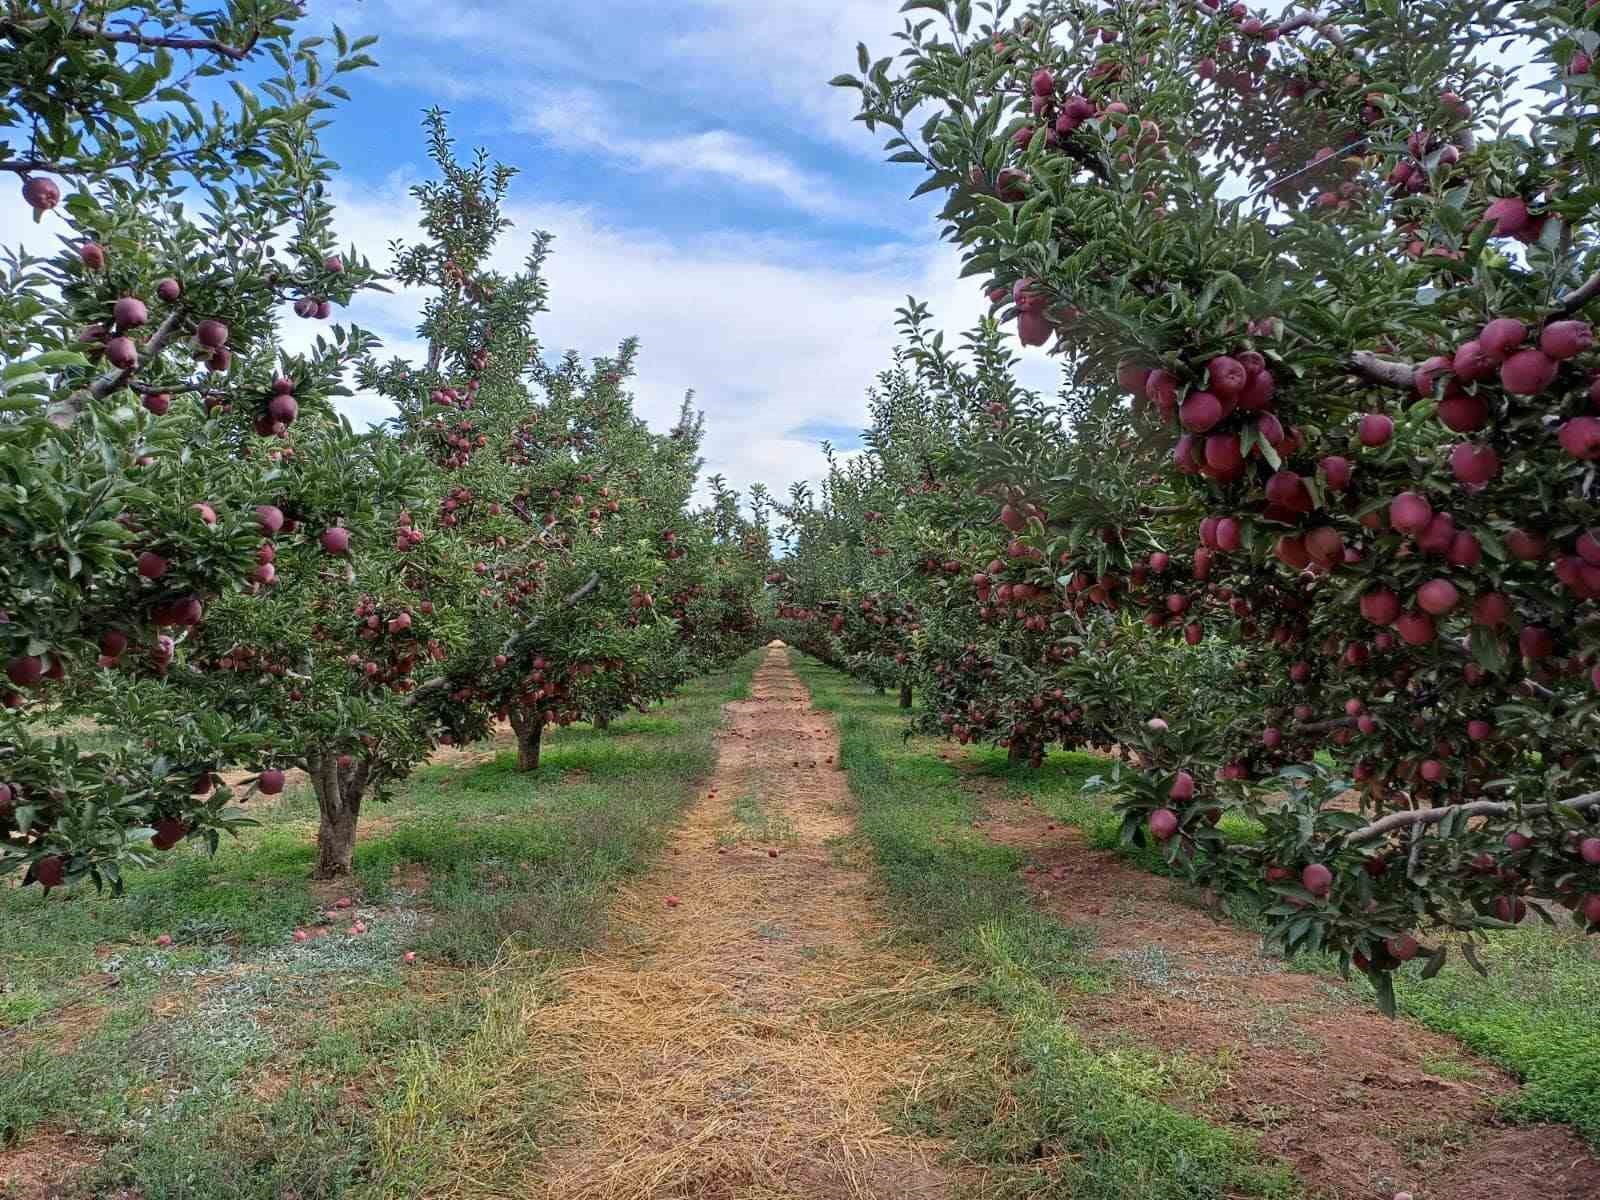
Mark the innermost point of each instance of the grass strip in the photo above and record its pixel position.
(1068, 1119)
(241, 1065)
(1536, 1015)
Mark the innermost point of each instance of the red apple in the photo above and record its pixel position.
(129, 313)
(40, 193)
(1580, 437)
(1528, 372)
(1566, 339)
(25, 670)
(1376, 429)
(1410, 512)
(122, 353)
(1163, 824)
(1317, 879)
(1438, 596)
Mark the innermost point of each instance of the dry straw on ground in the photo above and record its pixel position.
(752, 1041)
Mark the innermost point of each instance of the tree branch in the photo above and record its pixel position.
(433, 685)
(1576, 299)
(588, 586)
(1382, 371)
(132, 37)
(26, 166)
(65, 412)
(1312, 20)
(1478, 808)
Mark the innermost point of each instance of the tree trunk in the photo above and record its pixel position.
(878, 689)
(905, 695)
(339, 795)
(1016, 752)
(529, 728)
(602, 723)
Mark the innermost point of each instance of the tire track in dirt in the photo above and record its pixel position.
(1341, 1092)
(746, 1042)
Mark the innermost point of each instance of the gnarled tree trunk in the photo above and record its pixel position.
(905, 695)
(339, 793)
(529, 728)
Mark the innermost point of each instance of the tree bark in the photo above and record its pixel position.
(339, 795)
(602, 723)
(529, 728)
(905, 695)
(1016, 752)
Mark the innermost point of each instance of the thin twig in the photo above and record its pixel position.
(1310, 166)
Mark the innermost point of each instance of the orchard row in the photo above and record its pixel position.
(1313, 538)
(203, 561)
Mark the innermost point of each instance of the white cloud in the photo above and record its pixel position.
(784, 54)
(768, 338)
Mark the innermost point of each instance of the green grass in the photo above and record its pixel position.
(1078, 1121)
(1537, 1015)
(225, 1066)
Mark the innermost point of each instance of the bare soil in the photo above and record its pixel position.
(1339, 1091)
(46, 1166)
(746, 1041)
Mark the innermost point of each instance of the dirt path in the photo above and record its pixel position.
(747, 1041)
(1360, 1105)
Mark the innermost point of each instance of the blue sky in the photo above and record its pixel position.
(708, 191)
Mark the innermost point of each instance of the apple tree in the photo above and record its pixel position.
(595, 587)
(142, 390)
(1343, 264)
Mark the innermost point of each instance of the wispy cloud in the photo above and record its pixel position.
(585, 121)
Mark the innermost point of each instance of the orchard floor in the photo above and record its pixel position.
(754, 945)
(745, 1031)
(1360, 1104)
(242, 1064)
(1291, 1058)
